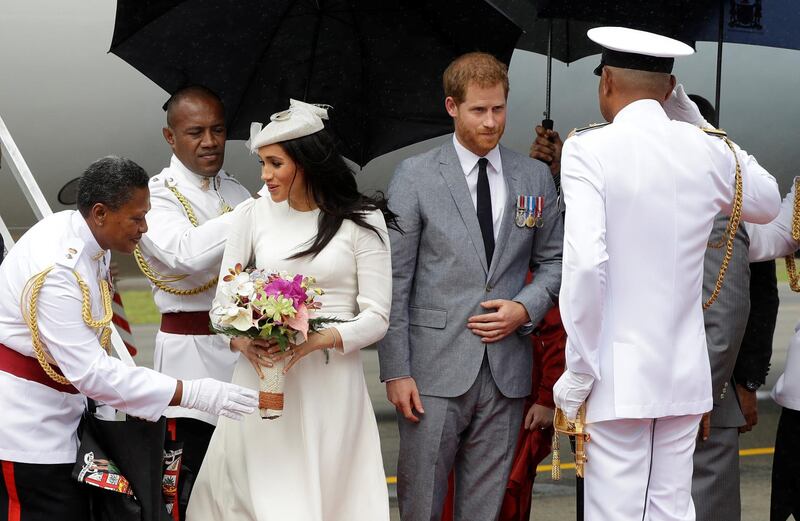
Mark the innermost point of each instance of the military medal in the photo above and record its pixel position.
(538, 211)
(519, 220)
(530, 218)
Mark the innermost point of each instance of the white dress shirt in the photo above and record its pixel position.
(40, 423)
(494, 172)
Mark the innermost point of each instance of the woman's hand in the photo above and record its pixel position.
(256, 350)
(325, 338)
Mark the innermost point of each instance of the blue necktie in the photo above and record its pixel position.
(484, 208)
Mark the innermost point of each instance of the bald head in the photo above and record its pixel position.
(190, 93)
(620, 87)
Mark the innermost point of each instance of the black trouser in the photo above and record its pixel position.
(195, 436)
(42, 492)
(786, 468)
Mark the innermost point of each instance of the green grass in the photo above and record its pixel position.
(139, 307)
(780, 267)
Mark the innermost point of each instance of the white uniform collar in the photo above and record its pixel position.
(469, 159)
(643, 108)
(91, 248)
(200, 181)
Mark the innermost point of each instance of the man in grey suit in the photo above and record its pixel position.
(457, 359)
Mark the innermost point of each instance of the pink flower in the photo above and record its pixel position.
(299, 322)
(291, 289)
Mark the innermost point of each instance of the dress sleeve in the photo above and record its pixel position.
(584, 275)
(75, 348)
(374, 279)
(239, 244)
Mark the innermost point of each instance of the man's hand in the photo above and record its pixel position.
(680, 107)
(749, 404)
(704, 431)
(506, 318)
(570, 391)
(404, 396)
(547, 147)
(539, 417)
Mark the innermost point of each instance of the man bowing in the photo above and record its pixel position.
(456, 359)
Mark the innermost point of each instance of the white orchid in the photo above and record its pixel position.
(231, 315)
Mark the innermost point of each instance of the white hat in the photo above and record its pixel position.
(640, 50)
(300, 119)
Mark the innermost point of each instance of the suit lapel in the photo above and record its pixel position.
(511, 179)
(454, 177)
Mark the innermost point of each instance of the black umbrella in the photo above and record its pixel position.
(379, 64)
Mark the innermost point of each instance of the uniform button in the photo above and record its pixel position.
(722, 396)
(488, 288)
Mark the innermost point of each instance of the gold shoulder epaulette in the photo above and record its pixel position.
(590, 126)
(717, 132)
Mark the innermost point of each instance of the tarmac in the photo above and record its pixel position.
(556, 500)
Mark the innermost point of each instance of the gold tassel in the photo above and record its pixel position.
(556, 467)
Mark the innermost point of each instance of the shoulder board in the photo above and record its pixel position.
(590, 126)
(70, 253)
(716, 132)
(163, 180)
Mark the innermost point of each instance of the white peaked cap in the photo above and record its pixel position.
(634, 49)
(300, 119)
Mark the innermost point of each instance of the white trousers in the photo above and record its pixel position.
(640, 469)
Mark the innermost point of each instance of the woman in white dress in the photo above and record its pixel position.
(320, 461)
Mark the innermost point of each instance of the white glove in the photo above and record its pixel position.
(570, 391)
(680, 108)
(219, 398)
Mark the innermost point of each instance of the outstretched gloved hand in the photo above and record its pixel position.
(570, 391)
(219, 398)
(681, 108)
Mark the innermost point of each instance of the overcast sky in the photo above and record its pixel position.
(67, 101)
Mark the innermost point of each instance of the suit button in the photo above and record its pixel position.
(489, 288)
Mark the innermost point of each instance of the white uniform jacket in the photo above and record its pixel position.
(641, 196)
(173, 246)
(771, 241)
(39, 423)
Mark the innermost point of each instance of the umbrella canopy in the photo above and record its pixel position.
(379, 64)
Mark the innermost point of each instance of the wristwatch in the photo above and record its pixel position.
(751, 386)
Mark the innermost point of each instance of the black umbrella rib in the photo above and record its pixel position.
(362, 123)
(253, 71)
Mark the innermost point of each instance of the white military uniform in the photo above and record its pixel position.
(641, 196)
(40, 422)
(771, 241)
(173, 246)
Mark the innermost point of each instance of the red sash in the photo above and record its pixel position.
(28, 368)
(186, 323)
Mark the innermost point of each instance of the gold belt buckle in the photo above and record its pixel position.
(575, 430)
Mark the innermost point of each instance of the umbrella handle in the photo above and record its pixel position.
(548, 125)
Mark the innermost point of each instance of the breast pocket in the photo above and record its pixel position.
(427, 317)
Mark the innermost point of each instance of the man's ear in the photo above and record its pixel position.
(606, 81)
(99, 213)
(168, 135)
(672, 83)
(451, 106)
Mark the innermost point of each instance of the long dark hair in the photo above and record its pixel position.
(333, 186)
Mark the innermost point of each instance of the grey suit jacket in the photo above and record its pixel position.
(440, 275)
(725, 321)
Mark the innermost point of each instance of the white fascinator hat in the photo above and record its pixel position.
(300, 119)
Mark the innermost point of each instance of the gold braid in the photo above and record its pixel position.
(162, 281)
(730, 231)
(791, 269)
(33, 287)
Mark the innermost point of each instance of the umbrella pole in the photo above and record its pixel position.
(719, 58)
(547, 122)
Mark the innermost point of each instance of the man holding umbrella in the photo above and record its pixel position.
(181, 254)
(642, 193)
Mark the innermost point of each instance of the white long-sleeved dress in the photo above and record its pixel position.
(321, 461)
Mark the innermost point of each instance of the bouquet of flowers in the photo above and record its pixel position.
(271, 305)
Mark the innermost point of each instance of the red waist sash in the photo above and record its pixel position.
(186, 323)
(28, 368)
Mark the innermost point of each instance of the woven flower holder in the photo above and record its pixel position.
(270, 395)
